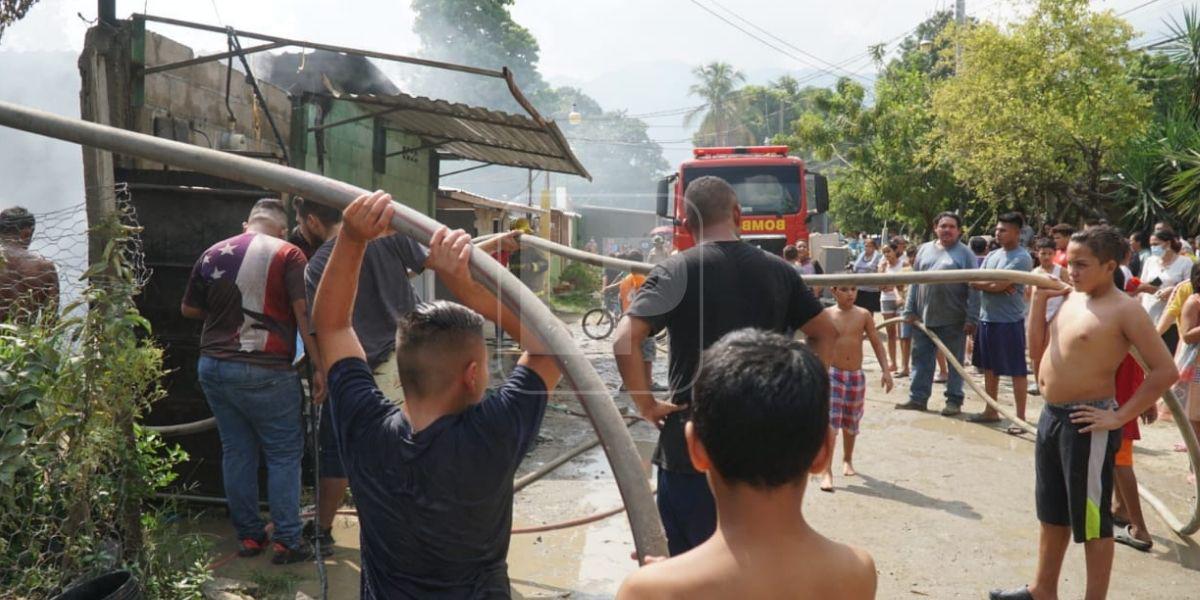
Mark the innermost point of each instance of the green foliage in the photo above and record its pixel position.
(1035, 114)
(886, 169)
(581, 276)
(479, 33)
(75, 469)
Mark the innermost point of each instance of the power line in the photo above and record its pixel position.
(761, 40)
(779, 39)
(1138, 7)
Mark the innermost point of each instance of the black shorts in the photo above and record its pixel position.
(868, 300)
(1074, 472)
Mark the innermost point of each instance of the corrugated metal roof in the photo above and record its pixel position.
(477, 200)
(478, 134)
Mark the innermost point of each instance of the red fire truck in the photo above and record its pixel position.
(777, 194)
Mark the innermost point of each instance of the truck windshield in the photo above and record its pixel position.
(761, 189)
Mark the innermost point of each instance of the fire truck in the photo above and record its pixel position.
(777, 194)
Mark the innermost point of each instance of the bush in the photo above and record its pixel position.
(75, 468)
(582, 277)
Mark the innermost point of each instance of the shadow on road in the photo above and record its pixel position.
(877, 488)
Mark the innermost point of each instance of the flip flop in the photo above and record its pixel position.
(1017, 594)
(984, 418)
(1123, 536)
(941, 379)
(1014, 430)
(1180, 447)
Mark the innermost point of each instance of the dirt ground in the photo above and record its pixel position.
(945, 507)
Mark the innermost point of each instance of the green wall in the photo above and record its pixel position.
(353, 153)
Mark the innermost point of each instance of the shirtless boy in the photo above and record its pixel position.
(847, 382)
(757, 456)
(1080, 428)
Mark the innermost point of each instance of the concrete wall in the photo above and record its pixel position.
(189, 103)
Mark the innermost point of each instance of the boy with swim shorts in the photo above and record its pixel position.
(1079, 429)
(847, 382)
(758, 428)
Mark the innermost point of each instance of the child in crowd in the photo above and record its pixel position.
(627, 287)
(1079, 429)
(910, 258)
(757, 455)
(847, 382)
(432, 478)
(1046, 266)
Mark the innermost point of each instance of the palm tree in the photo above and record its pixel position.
(721, 125)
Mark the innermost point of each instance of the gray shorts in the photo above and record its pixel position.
(888, 306)
(649, 350)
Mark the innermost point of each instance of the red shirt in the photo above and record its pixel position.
(1060, 258)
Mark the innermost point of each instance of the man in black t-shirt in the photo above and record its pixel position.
(720, 285)
(432, 479)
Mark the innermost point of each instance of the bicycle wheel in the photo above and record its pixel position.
(597, 323)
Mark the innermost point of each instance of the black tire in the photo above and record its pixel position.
(115, 585)
(597, 323)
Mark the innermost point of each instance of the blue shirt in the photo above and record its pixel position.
(943, 304)
(435, 506)
(1008, 306)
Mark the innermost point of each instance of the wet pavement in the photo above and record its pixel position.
(945, 507)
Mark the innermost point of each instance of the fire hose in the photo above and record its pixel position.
(580, 376)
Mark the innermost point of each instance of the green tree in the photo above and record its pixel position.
(1036, 113)
(884, 166)
(721, 124)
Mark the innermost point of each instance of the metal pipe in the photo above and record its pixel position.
(328, 47)
(618, 445)
(907, 278)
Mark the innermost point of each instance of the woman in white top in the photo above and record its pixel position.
(890, 297)
(868, 262)
(1162, 271)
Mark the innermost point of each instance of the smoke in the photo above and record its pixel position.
(42, 174)
(298, 72)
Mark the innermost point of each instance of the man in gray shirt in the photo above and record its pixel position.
(1000, 341)
(949, 310)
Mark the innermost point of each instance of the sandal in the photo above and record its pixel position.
(1015, 430)
(1124, 536)
(1017, 594)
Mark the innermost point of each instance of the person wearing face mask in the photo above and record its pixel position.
(1161, 272)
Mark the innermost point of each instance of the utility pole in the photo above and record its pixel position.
(960, 21)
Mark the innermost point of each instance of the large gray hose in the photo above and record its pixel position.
(618, 445)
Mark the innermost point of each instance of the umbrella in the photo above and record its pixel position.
(662, 230)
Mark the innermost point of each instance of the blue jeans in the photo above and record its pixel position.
(924, 355)
(257, 409)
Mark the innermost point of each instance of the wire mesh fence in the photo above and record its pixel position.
(43, 267)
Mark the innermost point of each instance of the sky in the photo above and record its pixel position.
(628, 54)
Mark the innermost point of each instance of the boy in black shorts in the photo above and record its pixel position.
(1079, 430)
(432, 479)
